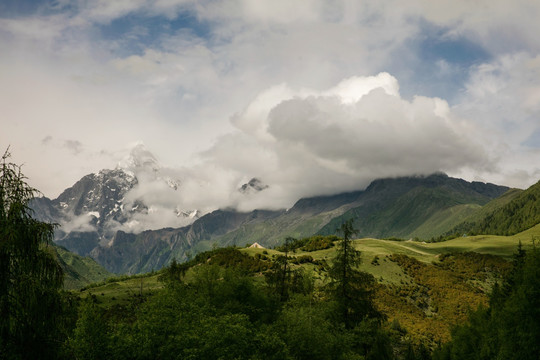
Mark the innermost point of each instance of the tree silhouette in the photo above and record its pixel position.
(30, 276)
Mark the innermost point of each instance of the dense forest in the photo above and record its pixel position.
(226, 304)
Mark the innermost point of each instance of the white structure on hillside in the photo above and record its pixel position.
(257, 245)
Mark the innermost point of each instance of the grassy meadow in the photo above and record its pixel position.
(424, 289)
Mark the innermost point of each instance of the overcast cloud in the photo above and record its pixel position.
(311, 97)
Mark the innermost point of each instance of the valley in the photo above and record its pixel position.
(422, 207)
(339, 276)
(452, 278)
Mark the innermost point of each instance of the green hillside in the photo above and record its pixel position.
(494, 204)
(510, 214)
(518, 215)
(460, 218)
(414, 213)
(502, 246)
(445, 219)
(408, 207)
(79, 271)
(415, 279)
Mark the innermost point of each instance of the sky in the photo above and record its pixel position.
(311, 97)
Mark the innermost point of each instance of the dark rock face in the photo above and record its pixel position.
(45, 210)
(101, 194)
(253, 186)
(87, 210)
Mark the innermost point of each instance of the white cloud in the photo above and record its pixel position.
(82, 223)
(325, 142)
(503, 98)
(303, 130)
(306, 142)
(37, 28)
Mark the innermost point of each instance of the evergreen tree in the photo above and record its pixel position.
(350, 287)
(30, 276)
(279, 277)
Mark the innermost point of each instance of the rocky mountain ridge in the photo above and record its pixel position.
(388, 207)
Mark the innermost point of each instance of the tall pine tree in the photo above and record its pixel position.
(350, 287)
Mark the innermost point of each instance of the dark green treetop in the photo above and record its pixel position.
(30, 276)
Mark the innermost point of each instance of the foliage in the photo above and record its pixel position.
(279, 277)
(231, 257)
(350, 287)
(90, 340)
(295, 281)
(312, 243)
(474, 266)
(30, 276)
(305, 328)
(431, 298)
(510, 327)
(444, 292)
(173, 273)
(222, 312)
(517, 215)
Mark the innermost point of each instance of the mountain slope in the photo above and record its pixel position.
(153, 249)
(79, 271)
(517, 211)
(305, 218)
(86, 211)
(400, 207)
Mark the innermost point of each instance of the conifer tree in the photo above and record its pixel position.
(279, 277)
(349, 286)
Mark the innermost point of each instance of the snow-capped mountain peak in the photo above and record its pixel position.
(140, 159)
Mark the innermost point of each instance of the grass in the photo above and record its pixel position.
(388, 272)
(79, 271)
(122, 290)
(426, 299)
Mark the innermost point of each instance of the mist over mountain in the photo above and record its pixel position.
(115, 215)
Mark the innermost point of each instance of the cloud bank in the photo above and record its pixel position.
(303, 143)
(306, 143)
(285, 91)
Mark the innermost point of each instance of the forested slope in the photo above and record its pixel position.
(514, 213)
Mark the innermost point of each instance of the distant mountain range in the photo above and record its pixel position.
(95, 217)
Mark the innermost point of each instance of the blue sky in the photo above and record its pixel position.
(313, 97)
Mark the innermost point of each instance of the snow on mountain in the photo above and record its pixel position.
(139, 194)
(98, 194)
(157, 191)
(140, 159)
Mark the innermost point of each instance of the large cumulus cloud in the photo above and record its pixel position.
(305, 143)
(84, 78)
